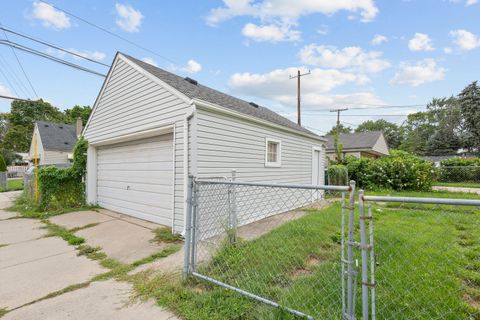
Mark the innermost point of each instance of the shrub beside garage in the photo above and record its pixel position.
(64, 187)
(398, 171)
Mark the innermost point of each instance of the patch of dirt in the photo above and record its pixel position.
(198, 289)
(301, 272)
(471, 301)
(312, 261)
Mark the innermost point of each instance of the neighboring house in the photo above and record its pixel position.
(363, 144)
(150, 129)
(55, 142)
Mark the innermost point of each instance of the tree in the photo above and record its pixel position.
(418, 128)
(469, 100)
(391, 131)
(3, 165)
(21, 120)
(82, 112)
(341, 129)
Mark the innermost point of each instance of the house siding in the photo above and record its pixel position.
(130, 103)
(224, 143)
(54, 157)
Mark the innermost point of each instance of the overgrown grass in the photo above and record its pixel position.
(165, 234)
(427, 267)
(28, 208)
(458, 184)
(171, 249)
(3, 312)
(67, 235)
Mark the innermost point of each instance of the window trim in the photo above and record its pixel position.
(278, 163)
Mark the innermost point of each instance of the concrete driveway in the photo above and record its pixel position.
(35, 270)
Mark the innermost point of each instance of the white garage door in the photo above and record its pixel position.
(136, 178)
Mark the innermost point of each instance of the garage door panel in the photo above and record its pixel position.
(155, 188)
(136, 178)
(139, 166)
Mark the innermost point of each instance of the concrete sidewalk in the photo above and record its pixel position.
(33, 267)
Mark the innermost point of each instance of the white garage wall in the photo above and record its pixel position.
(132, 102)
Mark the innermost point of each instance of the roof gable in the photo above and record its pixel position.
(201, 92)
(57, 136)
(356, 141)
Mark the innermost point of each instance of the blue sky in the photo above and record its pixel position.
(360, 53)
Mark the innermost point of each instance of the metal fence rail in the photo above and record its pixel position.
(269, 243)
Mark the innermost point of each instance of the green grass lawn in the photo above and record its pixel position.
(428, 267)
(13, 184)
(458, 184)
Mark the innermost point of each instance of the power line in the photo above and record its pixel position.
(18, 82)
(110, 32)
(50, 57)
(8, 81)
(377, 107)
(13, 98)
(21, 66)
(366, 115)
(52, 46)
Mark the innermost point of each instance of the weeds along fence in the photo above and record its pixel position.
(269, 243)
(459, 174)
(425, 258)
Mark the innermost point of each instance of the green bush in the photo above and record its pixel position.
(337, 175)
(398, 171)
(461, 162)
(3, 165)
(64, 187)
(459, 170)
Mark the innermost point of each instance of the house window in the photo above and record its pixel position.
(273, 152)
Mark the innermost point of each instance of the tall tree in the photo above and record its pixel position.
(418, 128)
(82, 112)
(391, 131)
(341, 130)
(469, 100)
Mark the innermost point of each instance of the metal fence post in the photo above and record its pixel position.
(350, 243)
(3, 181)
(364, 249)
(195, 227)
(343, 255)
(372, 261)
(232, 223)
(188, 229)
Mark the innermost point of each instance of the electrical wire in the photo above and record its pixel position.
(21, 66)
(8, 81)
(360, 115)
(50, 57)
(109, 32)
(18, 82)
(52, 45)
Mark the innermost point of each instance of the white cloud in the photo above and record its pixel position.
(192, 66)
(150, 61)
(270, 33)
(323, 30)
(289, 10)
(95, 55)
(421, 72)
(464, 39)
(350, 58)
(447, 50)
(471, 2)
(4, 90)
(50, 16)
(275, 84)
(378, 39)
(129, 19)
(420, 42)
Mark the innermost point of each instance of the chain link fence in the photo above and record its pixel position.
(458, 175)
(426, 254)
(270, 243)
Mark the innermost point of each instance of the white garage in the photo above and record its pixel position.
(136, 178)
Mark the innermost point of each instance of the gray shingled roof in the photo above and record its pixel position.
(361, 140)
(207, 94)
(57, 136)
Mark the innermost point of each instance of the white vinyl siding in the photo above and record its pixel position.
(136, 178)
(130, 103)
(53, 157)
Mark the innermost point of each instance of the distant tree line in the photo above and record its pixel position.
(16, 126)
(447, 125)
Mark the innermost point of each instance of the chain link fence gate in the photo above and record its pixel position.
(427, 258)
(271, 243)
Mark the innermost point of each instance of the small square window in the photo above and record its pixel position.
(272, 153)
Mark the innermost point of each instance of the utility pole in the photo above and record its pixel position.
(298, 76)
(338, 115)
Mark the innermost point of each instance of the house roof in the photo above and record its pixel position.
(204, 93)
(355, 141)
(57, 136)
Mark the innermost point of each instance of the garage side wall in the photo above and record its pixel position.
(131, 102)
